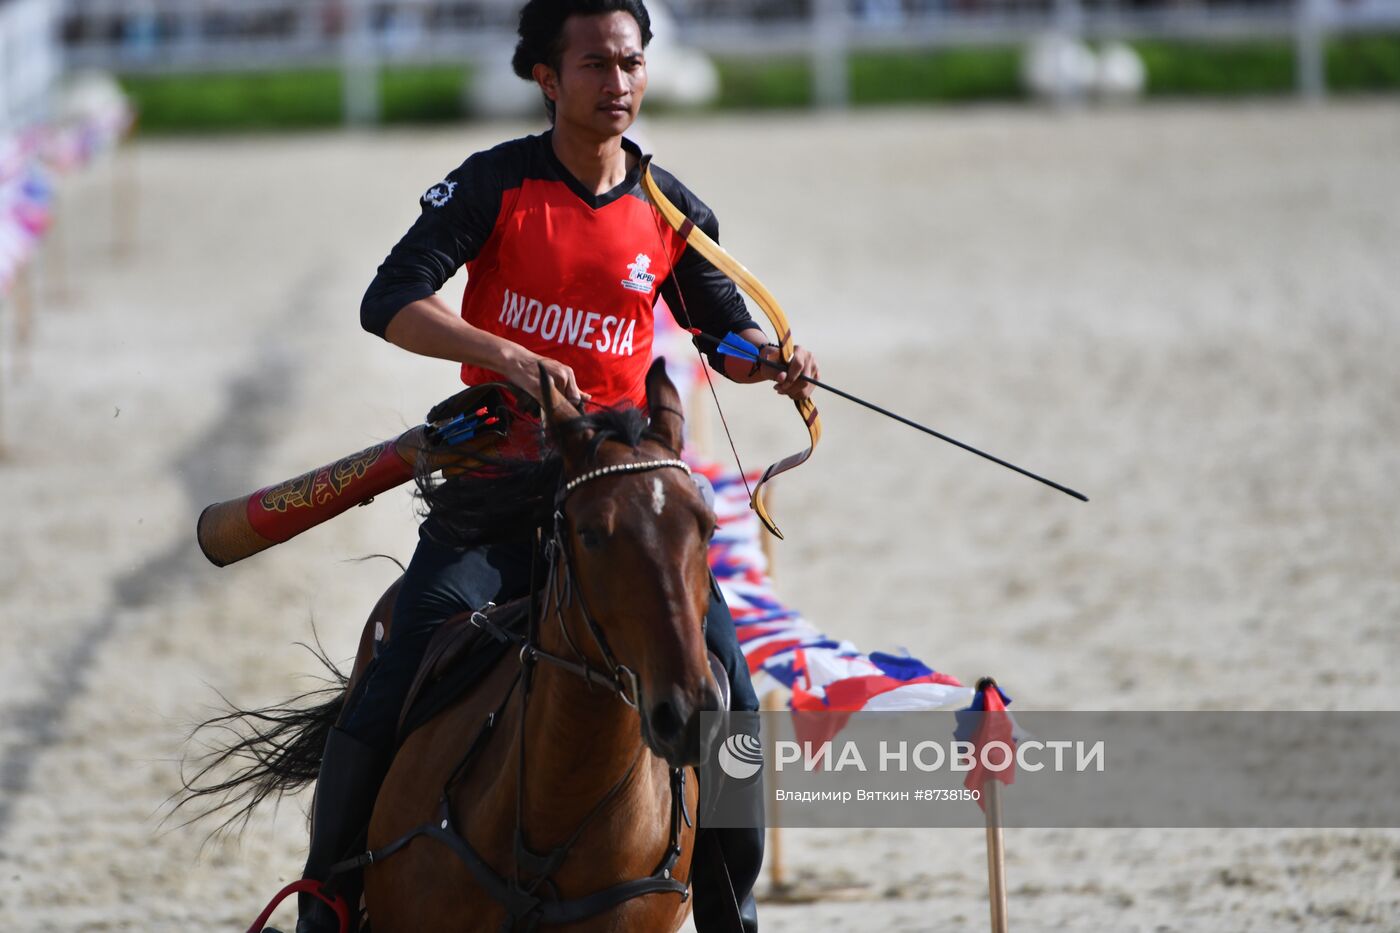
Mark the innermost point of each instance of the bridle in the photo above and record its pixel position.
(636, 466)
(561, 588)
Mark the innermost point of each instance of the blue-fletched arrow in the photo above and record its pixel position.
(462, 427)
(460, 431)
(449, 425)
(467, 430)
(464, 435)
(734, 345)
(459, 428)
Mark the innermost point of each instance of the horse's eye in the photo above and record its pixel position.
(591, 538)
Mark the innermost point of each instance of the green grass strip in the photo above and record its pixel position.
(279, 100)
(1364, 63)
(1224, 69)
(282, 100)
(951, 76)
(1367, 64)
(238, 101)
(428, 94)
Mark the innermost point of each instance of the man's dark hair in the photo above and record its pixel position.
(542, 29)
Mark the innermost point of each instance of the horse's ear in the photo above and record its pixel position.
(554, 408)
(557, 411)
(664, 403)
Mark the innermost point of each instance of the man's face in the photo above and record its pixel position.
(602, 74)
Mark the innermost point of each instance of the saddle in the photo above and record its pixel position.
(466, 647)
(461, 652)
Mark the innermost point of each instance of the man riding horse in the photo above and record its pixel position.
(566, 260)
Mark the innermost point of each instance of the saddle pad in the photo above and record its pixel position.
(459, 655)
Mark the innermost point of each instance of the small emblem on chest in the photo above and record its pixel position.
(638, 278)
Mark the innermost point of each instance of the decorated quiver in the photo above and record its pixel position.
(472, 422)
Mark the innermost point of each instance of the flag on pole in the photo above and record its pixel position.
(992, 732)
(25, 205)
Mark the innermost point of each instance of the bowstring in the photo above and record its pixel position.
(690, 328)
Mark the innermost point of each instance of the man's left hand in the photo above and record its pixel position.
(791, 383)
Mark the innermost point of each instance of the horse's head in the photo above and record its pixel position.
(634, 536)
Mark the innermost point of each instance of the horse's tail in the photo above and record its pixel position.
(272, 751)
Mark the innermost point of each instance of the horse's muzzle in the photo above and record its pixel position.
(675, 729)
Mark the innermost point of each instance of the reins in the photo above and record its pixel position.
(530, 902)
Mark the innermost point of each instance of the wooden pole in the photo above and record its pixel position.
(3, 303)
(55, 258)
(773, 702)
(777, 877)
(996, 855)
(125, 199)
(24, 318)
(699, 424)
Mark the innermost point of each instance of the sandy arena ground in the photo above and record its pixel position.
(1188, 313)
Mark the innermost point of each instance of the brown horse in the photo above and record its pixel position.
(567, 771)
(560, 791)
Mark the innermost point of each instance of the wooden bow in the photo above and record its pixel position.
(697, 239)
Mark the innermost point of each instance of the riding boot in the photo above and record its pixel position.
(725, 869)
(748, 914)
(351, 772)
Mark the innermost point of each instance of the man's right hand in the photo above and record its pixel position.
(523, 368)
(429, 327)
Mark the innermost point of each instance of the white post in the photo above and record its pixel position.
(358, 67)
(1069, 25)
(1310, 37)
(830, 77)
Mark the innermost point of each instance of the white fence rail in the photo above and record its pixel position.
(362, 35)
(29, 61)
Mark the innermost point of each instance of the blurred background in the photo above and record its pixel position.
(199, 64)
(1147, 249)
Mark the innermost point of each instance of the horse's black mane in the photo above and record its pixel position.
(506, 499)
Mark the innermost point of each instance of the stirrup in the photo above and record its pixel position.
(303, 886)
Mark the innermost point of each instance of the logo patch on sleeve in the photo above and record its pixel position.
(440, 193)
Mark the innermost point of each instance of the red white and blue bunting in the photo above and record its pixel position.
(32, 160)
(822, 672)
